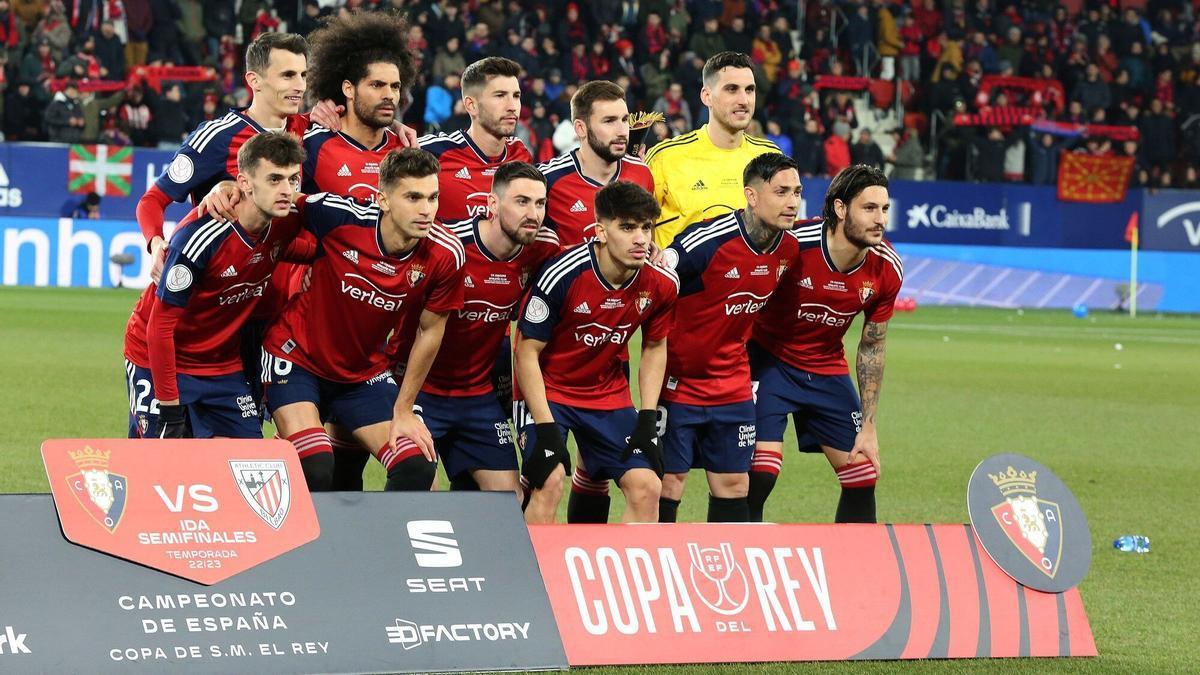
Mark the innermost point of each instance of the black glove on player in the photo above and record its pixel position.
(549, 450)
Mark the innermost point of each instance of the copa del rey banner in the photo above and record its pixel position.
(203, 510)
(696, 593)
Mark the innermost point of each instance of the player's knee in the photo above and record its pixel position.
(552, 489)
(464, 482)
(729, 485)
(858, 475)
(642, 489)
(672, 485)
(414, 474)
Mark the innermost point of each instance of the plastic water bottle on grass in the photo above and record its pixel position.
(1132, 543)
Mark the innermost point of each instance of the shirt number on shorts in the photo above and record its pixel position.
(142, 390)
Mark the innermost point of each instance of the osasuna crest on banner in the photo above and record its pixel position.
(1029, 523)
(100, 492)
(266, 486)
(1033, 525)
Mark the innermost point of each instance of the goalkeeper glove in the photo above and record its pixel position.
(549, 450)
(173, 422)
(644, 441)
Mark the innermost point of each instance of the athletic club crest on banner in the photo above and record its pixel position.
(1033, 525)
(1029, 522)
(266, 487)
(99, 491)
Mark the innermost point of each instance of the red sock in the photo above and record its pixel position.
(858, 475)
(389, 457)
(767, 461)
(310, 442)
(583, 484)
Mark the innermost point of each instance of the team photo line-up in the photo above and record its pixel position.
(358, 286)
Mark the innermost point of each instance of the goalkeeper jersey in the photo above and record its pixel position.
(695, 180)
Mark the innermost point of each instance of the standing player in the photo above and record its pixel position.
(276, 70)
(376, 265)
(182, 342)
(458, 404)
(492, 96)
(699, 175)
(584, 307)
(362, 68)
(797, 358)
(728, 266)
(601, 119)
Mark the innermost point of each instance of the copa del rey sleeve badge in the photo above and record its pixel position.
(203, 510)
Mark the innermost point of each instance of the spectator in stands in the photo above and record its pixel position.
(774, 133)
(912, 38)
(10, 34)
(981, 50)
(97, 109)
(708, 43)
(656, 75)
(168, 118)
(64, 115)
(22, 114)
(1139, 70)
(887, 39)
(837, 149)
(1012, 49)
(987, 157)
(652, 37)
(139, 21)
(1158, 137)
(736, 36)
(38, 68)
(110, 51)
(672, 104)
(946, 94)
(766, 53)
(949, 54)
(83, 63)
(448, 59)
(1043, 159)
(1130, 31)
(439, 100)
(866, 150)
(1092, 92)
(908, 159)
(135, 118)
(1104, 57)
(87, 208)
(55, 30)
(808, 150)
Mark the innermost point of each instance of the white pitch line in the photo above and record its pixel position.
(1057, 287)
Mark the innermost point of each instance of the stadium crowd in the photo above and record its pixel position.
(827, 72)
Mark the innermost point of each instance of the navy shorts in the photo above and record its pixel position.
(601, 436)
(716, 438)
(217, 405)
(352, 405)
(825, 408)
(469, 432)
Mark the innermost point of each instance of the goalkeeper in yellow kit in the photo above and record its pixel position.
(698, 175)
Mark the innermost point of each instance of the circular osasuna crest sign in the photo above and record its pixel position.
(1029, 523)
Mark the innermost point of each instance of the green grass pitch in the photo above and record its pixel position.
(961, 384)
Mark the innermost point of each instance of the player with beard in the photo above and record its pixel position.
(582, 310)
(698, 175)
(361, 67)
(469, 427)
(601, 119)
(492, 96)
(797, 357)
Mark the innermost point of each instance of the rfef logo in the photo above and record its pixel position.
(1029, 523)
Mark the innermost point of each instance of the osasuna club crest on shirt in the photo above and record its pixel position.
(266, 487)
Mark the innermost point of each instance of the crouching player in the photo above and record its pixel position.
(584, 307)
(458, 402)
(182, 343)
(797, 358)
(323, 359)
